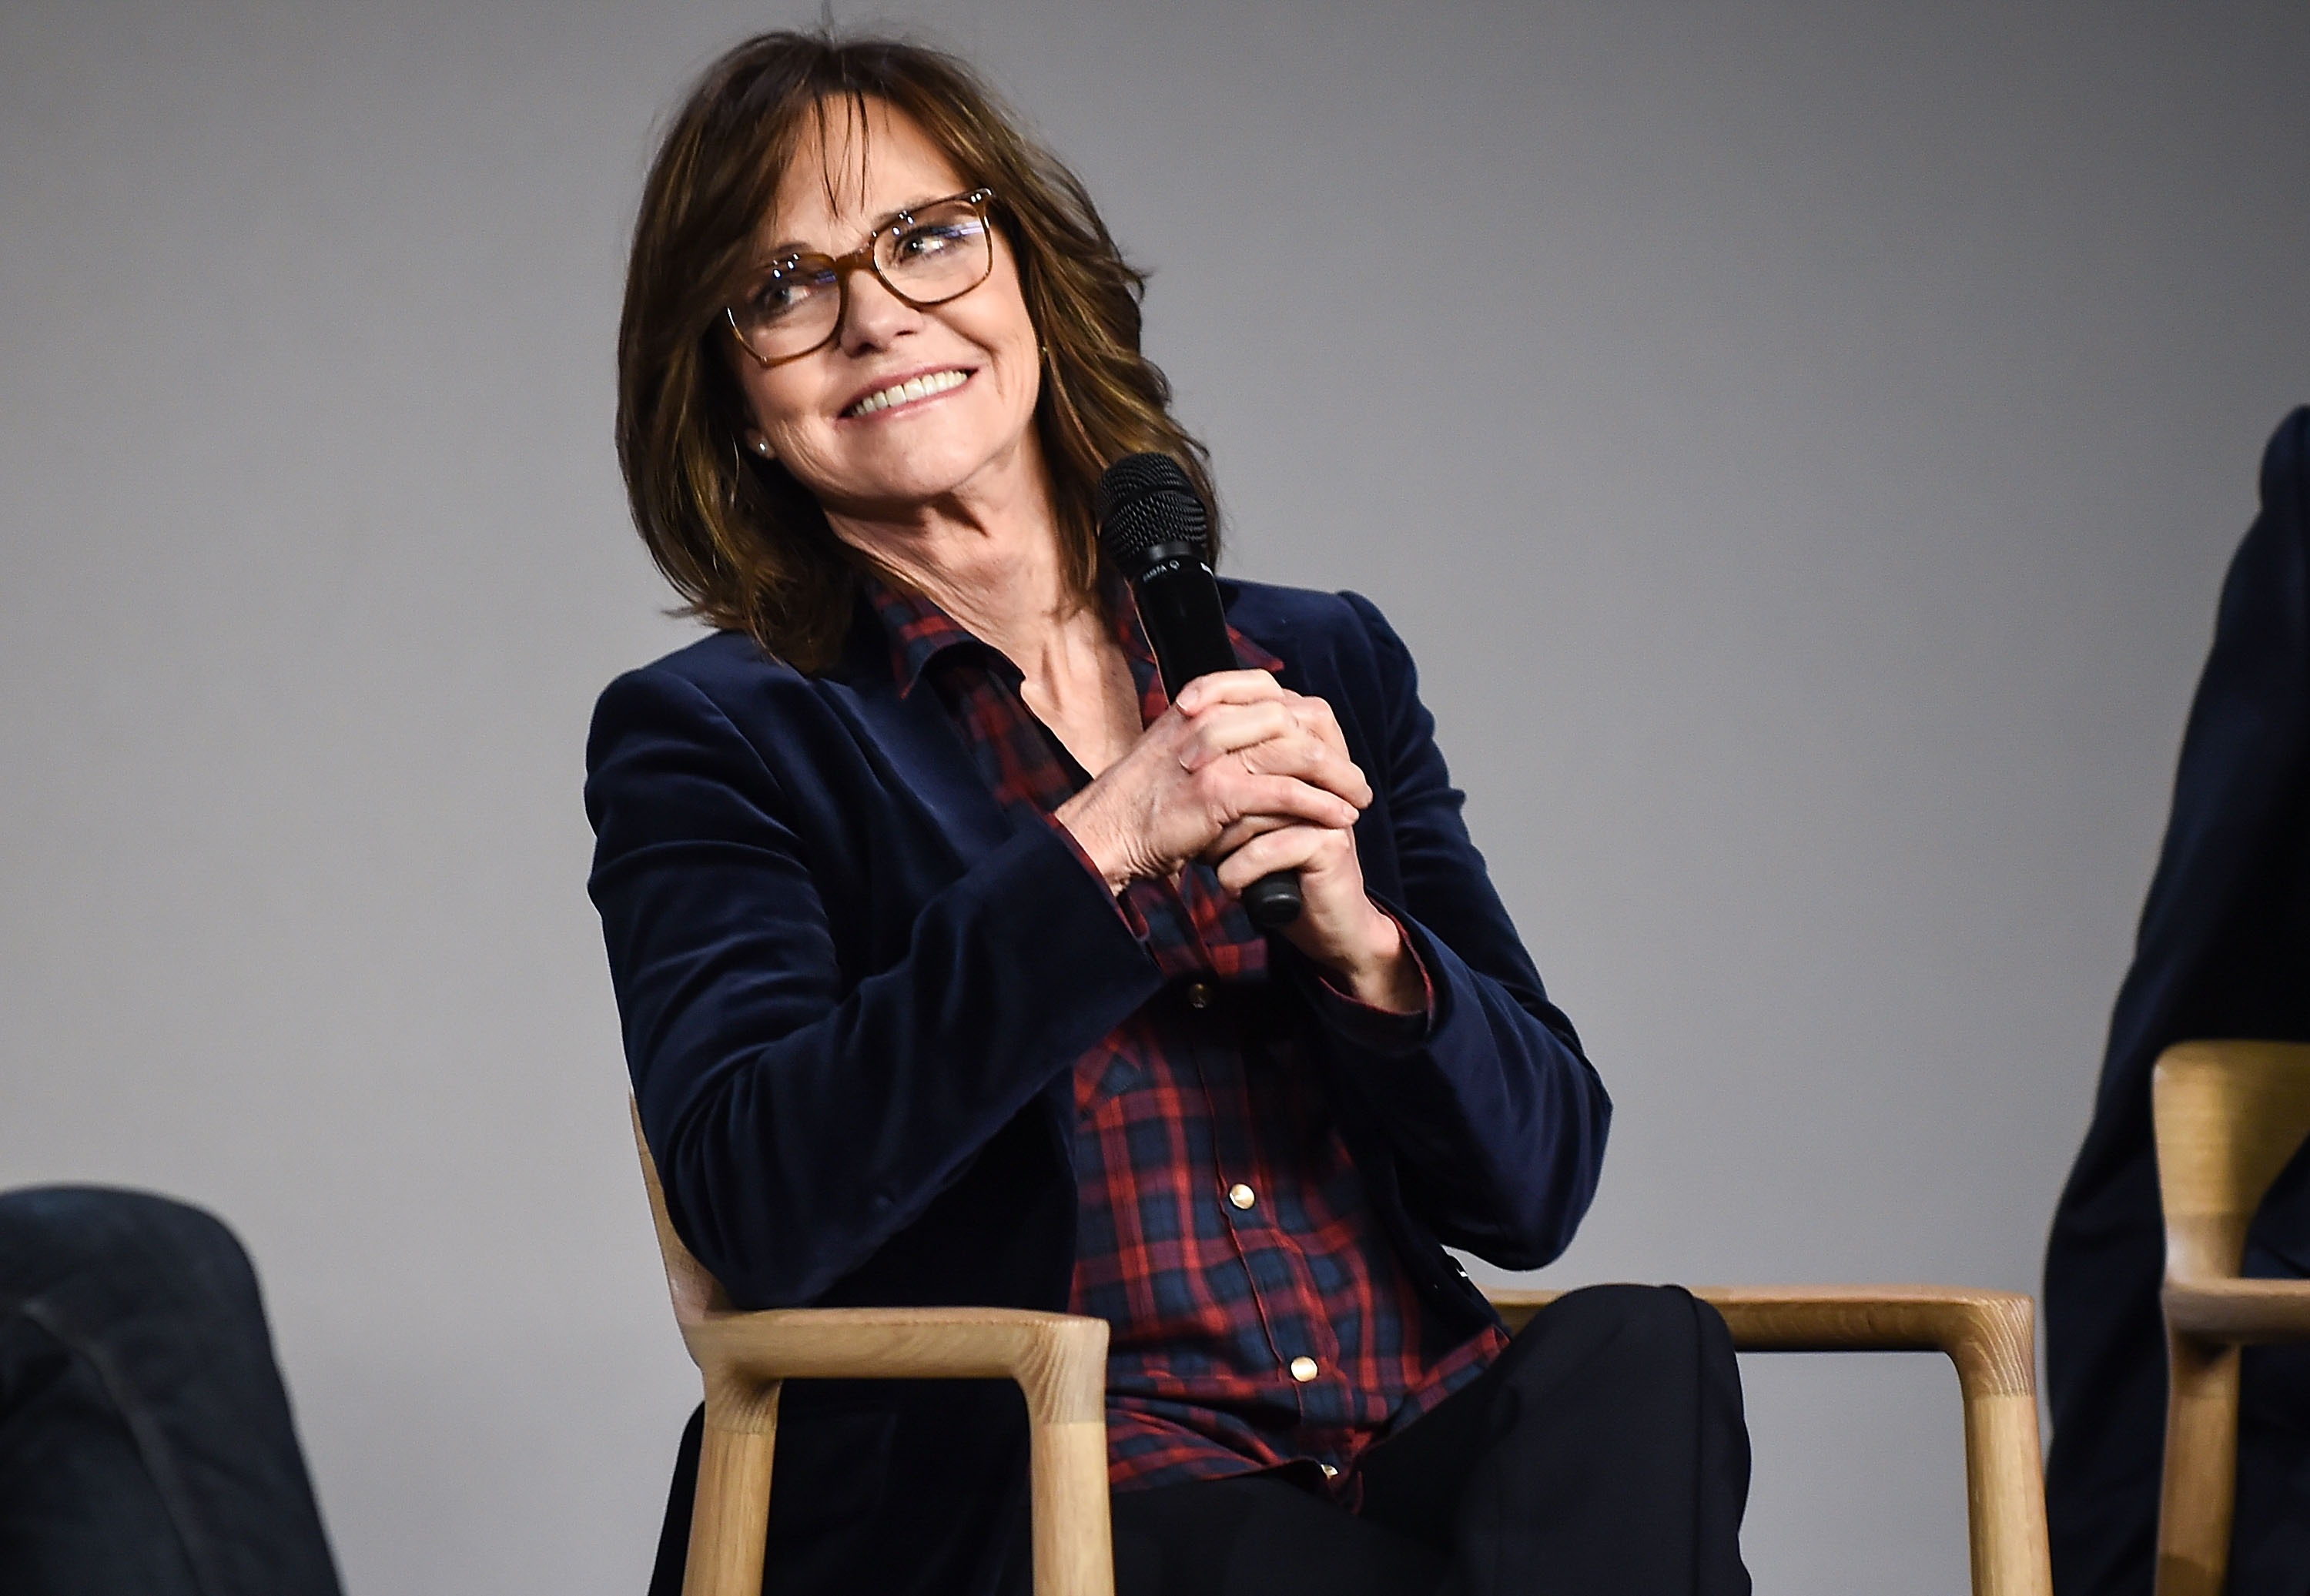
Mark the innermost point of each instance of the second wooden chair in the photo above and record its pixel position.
(2229, 1115)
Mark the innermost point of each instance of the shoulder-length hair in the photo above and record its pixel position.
(746, 545)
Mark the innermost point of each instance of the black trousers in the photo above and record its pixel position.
(145, 1442)
(1604, 1451)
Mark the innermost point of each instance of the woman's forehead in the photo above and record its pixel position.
(845, 174)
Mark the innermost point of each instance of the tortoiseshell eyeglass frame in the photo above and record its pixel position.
(866, 258)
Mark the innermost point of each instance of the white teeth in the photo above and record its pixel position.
(914, 387)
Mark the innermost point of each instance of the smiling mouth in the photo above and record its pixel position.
(906, 393)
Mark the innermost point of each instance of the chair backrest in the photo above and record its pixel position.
(696, 1295)
(2228, 1117)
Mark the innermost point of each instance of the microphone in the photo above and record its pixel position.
(1155, 529)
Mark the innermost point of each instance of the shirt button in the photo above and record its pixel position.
(1199, 994)
(1329, 1472)
(1303, 1369)
(1241, 1195)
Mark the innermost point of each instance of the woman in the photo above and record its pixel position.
(919, 900)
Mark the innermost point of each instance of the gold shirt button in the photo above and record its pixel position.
(1241, 1195)
(1199, 994)
(1303, 1369)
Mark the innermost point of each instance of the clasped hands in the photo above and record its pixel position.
(1244, 775)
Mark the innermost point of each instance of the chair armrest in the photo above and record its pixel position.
(1988, 1335)
(2237, 1311)
(1058, 1359)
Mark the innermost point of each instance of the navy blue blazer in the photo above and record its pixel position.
(2224, 951)
(853, 992)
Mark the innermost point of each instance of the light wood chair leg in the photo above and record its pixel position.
(2008, 1521)
(1073, 1552)
(731, 1517)
(1065, 1385)
(1994, 1350)
(2201, 1491)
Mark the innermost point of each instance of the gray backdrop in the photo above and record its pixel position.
(1799, 442)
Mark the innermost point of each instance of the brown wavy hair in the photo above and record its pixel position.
(745, 544)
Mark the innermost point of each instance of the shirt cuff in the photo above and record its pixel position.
(1382, 1030)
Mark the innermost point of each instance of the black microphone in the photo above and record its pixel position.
(1154, 528)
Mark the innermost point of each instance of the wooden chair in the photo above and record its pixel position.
(1060, 1362)
(1058, 1359)
(2228, 1115)
(1990, 1336)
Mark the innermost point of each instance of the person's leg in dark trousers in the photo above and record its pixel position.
(1261, 1535)
(145, 1441)
(1604, 1451)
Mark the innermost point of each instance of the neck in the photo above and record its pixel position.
(988, 555)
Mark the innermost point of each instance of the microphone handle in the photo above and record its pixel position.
(1273, 900)
(1179, 605)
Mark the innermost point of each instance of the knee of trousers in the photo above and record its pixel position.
(1638, 1327)
(144, 1248)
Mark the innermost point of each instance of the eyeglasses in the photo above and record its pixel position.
(936, 251)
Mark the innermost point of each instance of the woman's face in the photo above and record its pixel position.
(899, 456)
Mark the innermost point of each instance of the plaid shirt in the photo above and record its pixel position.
(1260, 1319)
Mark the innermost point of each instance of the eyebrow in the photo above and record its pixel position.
(787, 246)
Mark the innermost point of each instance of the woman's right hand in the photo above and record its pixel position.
(1239, 754)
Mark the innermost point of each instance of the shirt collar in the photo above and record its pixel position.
(919, 632)
(917, 629)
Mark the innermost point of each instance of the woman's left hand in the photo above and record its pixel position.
(1357, 945)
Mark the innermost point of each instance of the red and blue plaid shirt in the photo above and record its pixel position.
(1260, 1318)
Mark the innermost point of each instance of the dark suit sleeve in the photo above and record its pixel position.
(801, 1116)
(1496, 1117)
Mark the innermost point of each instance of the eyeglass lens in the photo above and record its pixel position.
(928, 256)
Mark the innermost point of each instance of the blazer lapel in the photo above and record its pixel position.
(924, 756)
(1271, 635)
(917, 748)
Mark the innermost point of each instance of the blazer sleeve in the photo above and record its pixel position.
(801, 1115)
(1496, 1120)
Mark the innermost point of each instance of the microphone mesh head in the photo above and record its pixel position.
(1146, 501)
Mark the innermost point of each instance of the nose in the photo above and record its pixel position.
(872, 314)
